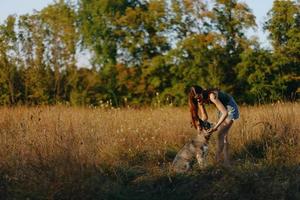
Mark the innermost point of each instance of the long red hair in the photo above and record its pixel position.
(202, 97)
(193, 104)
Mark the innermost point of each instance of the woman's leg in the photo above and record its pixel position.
(223, 145)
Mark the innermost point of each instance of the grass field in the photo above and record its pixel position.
(93, 153)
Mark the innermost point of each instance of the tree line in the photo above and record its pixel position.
(148, 51)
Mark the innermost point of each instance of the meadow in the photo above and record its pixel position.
(61, 152)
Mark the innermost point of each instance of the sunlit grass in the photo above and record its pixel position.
(48, 151)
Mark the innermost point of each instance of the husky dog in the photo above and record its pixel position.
(197, 147)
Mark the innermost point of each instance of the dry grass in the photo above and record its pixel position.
(74, 153)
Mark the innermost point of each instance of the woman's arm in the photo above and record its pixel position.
(203, 113)
(221, 108)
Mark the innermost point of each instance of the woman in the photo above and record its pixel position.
(227, 112)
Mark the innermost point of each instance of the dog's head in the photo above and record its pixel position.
(204, 126)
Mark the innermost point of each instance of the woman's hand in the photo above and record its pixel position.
(213, 129)
(208, 133)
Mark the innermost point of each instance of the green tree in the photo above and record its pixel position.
(141, 31)
(256, 76)
(230, 19)
(34, 71)
(8, 62)
(61, 38)
(97, 26)
(143, 41)
(87, 89)
(284, 28)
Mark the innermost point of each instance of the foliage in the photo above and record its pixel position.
(144, 52)
(284, 28)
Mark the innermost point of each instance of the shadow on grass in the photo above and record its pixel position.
(217, 183)
(270, 145)
(254, 150)
(130, 183)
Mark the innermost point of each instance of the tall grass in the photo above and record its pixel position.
(94, 153)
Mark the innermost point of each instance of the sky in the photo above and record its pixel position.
(19, 7)
(260, 9)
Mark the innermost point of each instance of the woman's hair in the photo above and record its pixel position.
(193, 104)
(202, 97)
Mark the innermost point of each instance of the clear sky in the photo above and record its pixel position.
(19, 7)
